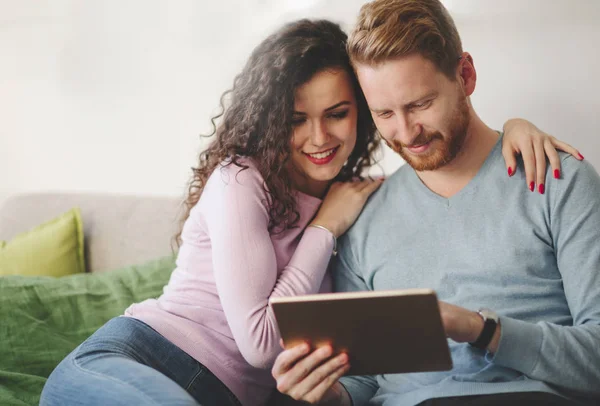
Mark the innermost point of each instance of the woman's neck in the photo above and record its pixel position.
(306, 185)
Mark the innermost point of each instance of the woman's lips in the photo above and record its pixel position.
(322, 158)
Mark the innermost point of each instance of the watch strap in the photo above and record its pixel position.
(486, 335)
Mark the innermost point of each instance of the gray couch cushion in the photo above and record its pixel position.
(119, 230)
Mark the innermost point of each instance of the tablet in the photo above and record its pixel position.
(383, 332)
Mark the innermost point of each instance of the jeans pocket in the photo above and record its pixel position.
(208, 390)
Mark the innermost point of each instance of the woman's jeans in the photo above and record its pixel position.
(126, 362)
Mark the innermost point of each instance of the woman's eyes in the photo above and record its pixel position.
(298, 120)
(339, 115)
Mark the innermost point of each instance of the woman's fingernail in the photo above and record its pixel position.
(531, 186)
(325, 351)
(556, 174)
(510, 172)
(541, 188)
(580, 156)
(343, 358)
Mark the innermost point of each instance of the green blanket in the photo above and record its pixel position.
(42, 319)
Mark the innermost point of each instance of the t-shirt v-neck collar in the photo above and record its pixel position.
(469, 189)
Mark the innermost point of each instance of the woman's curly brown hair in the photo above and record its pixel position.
(257, 123)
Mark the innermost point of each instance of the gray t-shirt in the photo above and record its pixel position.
(533, 258)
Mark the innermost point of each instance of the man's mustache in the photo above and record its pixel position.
(422, 139)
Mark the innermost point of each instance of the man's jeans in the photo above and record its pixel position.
(126, 362)
(503, 399)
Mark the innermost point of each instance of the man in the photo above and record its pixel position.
(448, 221)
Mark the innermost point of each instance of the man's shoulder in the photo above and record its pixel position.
(397, 180)
(578, 175)
(379, 205)
(402, 173)
(571, 167)
(570, 163)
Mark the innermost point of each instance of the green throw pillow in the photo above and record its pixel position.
(43, 319)
(54, 248)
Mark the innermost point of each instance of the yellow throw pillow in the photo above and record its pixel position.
(54, 248)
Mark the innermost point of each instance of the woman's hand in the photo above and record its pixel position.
(534, 145)
(312, 376)
(343, 203)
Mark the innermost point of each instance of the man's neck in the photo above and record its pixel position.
(451, 178)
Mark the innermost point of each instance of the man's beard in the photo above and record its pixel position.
(445, 149)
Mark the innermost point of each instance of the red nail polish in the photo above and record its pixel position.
(581, 156)
(541, 188)
(510, 172)
(531, 186)
(556, 174)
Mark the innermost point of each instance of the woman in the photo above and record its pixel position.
(281, 181)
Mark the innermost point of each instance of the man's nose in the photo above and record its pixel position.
(407, 130)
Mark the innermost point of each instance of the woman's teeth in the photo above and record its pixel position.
(322, 155)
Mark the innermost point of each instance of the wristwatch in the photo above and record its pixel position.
(490, 323)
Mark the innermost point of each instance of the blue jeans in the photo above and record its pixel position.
(126, 362)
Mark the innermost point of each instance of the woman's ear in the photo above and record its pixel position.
(467, 73)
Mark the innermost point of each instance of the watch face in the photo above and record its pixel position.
(488, 314)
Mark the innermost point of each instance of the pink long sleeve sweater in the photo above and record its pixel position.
(215, 306)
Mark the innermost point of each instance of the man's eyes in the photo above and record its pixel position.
(422, 105)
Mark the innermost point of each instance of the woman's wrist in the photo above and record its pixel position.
(325, 225)
(322, 227)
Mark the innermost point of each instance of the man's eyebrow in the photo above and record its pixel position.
(335, 106)
(378, 111)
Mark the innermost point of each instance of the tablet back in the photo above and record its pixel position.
(382, 332)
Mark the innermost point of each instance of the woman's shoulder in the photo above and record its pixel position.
(232, 182)
(238, 173)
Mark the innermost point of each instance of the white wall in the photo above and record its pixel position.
(112, 95)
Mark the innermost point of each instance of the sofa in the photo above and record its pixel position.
(119, 230)
(129, 258)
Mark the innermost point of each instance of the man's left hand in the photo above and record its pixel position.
(464, 326)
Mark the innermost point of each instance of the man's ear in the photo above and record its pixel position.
(466, 73)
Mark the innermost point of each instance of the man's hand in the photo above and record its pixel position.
(312, 376)
(464, 326)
